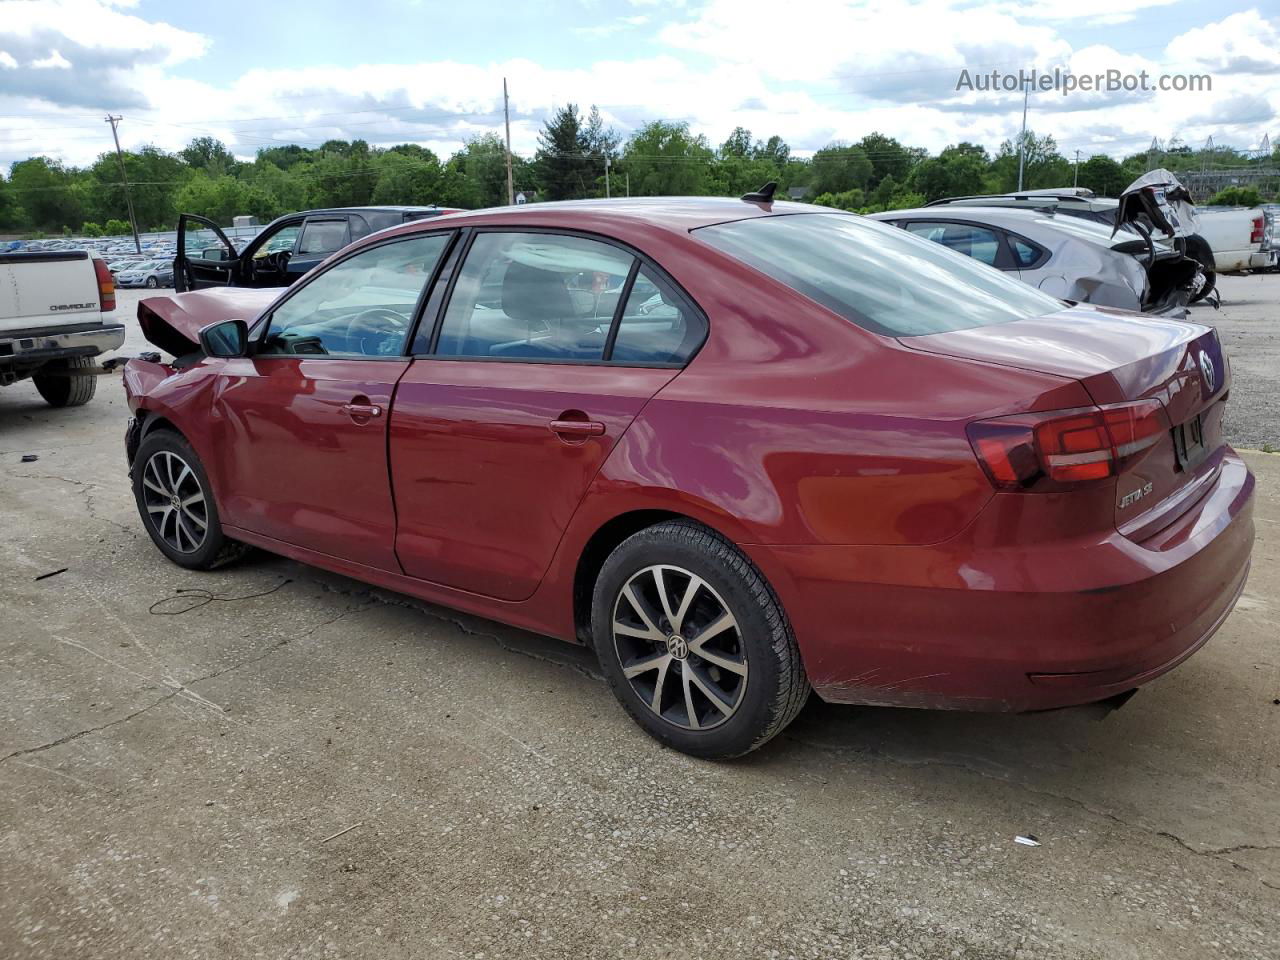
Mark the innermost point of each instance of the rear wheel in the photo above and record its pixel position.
(176, 503)
(152, 282)
(694, 643)
(67, 383)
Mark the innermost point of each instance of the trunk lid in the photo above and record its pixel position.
(173, 322)
(1117, 357)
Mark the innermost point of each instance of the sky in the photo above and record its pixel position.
(256, 74)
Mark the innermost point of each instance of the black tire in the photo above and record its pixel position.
(760, 643)
(153, 283)
(178, 533)
(67, 383)
(1199, 250)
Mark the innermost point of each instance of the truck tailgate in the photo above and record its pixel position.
(44, 290)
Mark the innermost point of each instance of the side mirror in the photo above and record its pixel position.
(227, 338)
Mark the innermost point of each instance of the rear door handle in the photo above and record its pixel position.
(578, 428)
(363, 411)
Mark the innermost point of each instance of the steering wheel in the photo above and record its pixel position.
(397, 322)
(278, 261)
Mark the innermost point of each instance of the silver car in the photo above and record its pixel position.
(1068, 257)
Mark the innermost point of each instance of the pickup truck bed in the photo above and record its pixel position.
(55, 317)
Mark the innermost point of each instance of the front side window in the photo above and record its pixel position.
(881, 278)
(656, 326)
(363, 307)
(282, 239)
(534, 296)
(977, 242)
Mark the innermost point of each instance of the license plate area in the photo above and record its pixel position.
(1188, 443)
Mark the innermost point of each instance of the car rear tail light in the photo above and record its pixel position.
(1258, 225)
(1047, 451)
(106, 286)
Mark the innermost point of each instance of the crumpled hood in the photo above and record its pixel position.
(173, 323)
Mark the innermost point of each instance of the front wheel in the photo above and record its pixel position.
(694, 642)
(176, 503)
(152, 282)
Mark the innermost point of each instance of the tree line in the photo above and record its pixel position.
(662, 158)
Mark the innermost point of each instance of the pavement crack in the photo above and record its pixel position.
(90, 730)
(1039, 791)
(88, 492)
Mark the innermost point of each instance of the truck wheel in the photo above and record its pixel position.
(67, 383)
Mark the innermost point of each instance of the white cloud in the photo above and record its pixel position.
(874, 65)
(1242, 43)
(54, 61)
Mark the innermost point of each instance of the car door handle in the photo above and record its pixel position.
(363, 411)
(577, 428)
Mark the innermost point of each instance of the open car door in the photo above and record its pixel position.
(205, 256)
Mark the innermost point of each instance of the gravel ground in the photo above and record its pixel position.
(1249, 325)
(304, 767)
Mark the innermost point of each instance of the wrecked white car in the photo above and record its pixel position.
(1067, 257)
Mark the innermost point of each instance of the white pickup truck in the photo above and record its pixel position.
(1235, 236)
(55, 317)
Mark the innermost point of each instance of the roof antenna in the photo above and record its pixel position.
(763, 195)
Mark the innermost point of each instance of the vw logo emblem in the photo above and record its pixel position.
(677, 646)
(1206, 367)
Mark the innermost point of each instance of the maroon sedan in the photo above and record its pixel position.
(745, 449)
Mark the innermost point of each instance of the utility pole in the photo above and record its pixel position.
(1076, 180)
(628, 184)
(506, 113)
(606, 175)
(124, 179)
(1022, 140)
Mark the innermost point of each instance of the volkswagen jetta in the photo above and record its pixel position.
(745, 449)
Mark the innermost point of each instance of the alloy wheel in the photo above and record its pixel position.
(680, 647)
(175, 501)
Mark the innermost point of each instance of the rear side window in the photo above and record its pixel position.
(657, 326)
(322, 236)
(534, 296)
(1025, 253)
(879, 277)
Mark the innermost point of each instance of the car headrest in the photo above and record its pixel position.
(532, 294)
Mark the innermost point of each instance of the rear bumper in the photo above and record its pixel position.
(1034, 627)
(38, 347)
(1263, 259)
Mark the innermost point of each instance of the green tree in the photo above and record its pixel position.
(154, 179)
(210, 155)
(957, 171)
(839, 167)
(116, 228)
(48, 192)
(407, 177)
(1236, 197)
(665, 159)
(90, 229)
(1103, 176)
(476, 176)
(341, 176)
(888, 158)
(1044, 167)
(565, 168)
(11, 214)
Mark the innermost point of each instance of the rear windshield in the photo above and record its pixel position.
(877, 276)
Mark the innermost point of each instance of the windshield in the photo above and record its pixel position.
(883, 279)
